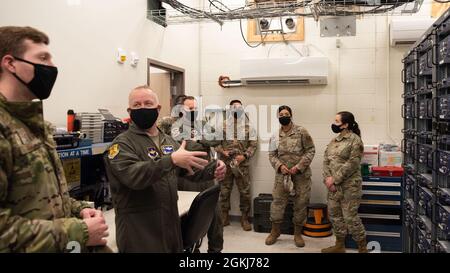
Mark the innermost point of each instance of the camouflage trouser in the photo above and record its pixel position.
(343, 210)
(243, 184)
(215, 230)
(302, 188)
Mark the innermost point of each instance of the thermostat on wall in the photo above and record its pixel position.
(121, 56)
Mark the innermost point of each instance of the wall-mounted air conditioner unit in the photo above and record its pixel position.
(285, 71)
(408, 31)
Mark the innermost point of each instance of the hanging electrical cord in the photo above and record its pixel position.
(243, 36)
(194, 13)
(245, 40)
(290, 45)
(220, 12)
(211, 3)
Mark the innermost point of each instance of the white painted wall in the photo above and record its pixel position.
(84, 37)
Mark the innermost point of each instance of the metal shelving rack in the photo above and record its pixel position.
(179, 13)
(426, 144)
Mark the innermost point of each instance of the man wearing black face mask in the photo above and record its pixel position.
(143, 166)
(187, 127)
(183, 124)
(36, 212)
(342, 177)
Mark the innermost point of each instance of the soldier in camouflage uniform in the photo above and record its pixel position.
(342, 175)
(36, 212)
(238, 146)
(291, 152)
(187, 127)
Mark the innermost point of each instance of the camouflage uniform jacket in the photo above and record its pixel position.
(36, 212)
(343, 158)
(293, 148)
(240, 138)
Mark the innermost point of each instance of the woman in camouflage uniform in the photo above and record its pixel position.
(342, 177)
(291, 152)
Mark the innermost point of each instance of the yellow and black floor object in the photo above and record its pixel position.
(317, 224)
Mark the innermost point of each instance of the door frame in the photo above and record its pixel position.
(177, 77)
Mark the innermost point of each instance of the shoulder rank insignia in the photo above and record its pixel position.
(152, 153)
(113, 151)
(167, 149)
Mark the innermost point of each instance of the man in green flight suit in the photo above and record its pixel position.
(36, 212)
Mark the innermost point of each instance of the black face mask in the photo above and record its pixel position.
(336, 128)
(144, 118)
(44, 78)
(284, 120)
(191, 115)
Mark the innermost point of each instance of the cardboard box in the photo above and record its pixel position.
(370, 155)
(390, 159)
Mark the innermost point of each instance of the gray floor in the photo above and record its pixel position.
(237, 240)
